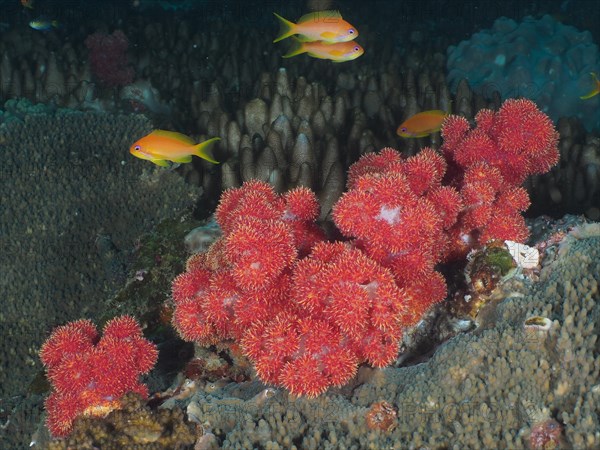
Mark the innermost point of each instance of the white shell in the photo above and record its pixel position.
(526, 257)
(538, 323)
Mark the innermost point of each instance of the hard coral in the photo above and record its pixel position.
(89, 374)
(134, 425)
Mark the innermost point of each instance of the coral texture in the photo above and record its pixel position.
(89, 374)
(489, 163)
(273, 284)
(108, 58)
(500, 387)
(134, 425)
(307, 311)
(507, 57)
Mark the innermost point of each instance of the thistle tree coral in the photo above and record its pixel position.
(89, 374)
(306, 311)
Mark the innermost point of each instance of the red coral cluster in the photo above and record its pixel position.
(306, 311)
(108, 58)
(488, 165)
(89, 374)
(398, 211)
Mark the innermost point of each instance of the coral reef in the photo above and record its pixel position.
(509, 58)
(133, 425)
(306, 312)
(108, 58)
(496, 387)
(68, 186)
(89, 374)
(84, 204)
(297, 124)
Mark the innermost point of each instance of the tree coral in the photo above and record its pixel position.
(489, 163)
(89, 374)
(306, 311)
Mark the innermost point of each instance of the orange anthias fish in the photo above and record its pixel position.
(422, 124)
(326, 26)
(161, 146)
(338, 52)
(594, 91)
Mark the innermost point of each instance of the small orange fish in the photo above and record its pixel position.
(594, 91)
(338, 52)
(422, 124)
(326, 26)
(27, 3)
(161, 146)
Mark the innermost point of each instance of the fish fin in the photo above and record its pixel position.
(595, 92)
(174, 135)
(287, 28)
(320, 16)
(336, 53)
(303, 38)
(297, 48)
(183, 159)
(203, 150)
(160, 162)
(328, 35)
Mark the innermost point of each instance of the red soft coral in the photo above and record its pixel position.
(108, 58)
(91, 377)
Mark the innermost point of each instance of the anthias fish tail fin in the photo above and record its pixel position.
(286, 30)
(296, 48)
(204, 150)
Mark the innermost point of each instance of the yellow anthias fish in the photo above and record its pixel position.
(338, 52)
(594, 91)
(422, 124)
(327, 26)
(161, 146)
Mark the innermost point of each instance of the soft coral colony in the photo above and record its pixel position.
(307, 311)
(90, 374)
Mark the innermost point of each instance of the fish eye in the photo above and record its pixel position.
(351, 31)
(137, 147)
(356, 48)
(403, 129)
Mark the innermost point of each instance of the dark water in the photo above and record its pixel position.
(408, 29)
